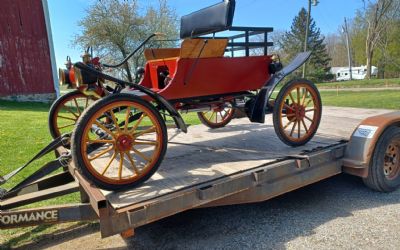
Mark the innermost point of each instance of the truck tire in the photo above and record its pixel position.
(384, 166)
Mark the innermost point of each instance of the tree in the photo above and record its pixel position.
(376, 19)
(114, 28)
(293, 42)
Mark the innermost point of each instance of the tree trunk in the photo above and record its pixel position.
(369, 54)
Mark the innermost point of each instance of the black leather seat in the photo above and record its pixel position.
(216, 18)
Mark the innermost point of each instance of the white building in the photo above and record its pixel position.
(358, 73)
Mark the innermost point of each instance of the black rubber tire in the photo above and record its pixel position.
(78, 133)
(211, 125)
(376, 178)
(275, 116)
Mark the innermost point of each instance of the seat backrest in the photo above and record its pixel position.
(218, 17)
(196, 48)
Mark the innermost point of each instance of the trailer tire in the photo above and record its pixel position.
(384, 166)
(122, 142)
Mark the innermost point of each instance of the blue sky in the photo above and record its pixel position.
(329, 14)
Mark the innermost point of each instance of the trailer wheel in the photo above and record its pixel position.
(218, 117)
(297, 112)
(384, 167)
(65, 111)
(119, 142)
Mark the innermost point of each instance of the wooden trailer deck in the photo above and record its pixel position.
(243, 162)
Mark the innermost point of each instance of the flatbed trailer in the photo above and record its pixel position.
(240, 163)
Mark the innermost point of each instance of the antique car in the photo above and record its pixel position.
(120, 140)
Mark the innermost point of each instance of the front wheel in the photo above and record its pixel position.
(384, 166)
(297, 112)
(218, 117)
(119, 142)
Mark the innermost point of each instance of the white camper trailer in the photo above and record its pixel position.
(358, 73)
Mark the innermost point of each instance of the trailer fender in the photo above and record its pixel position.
(180, 124)
(258, 106)
(363, 141)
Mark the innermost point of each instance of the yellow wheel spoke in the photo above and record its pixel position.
(305, 126)
(72, 112)
(109, 163)
(308, 103)
(212, 115)
(137, 124)
(288, 107)
(67, 118)
(66, 126)
(128, 112)
(304, 97)
(77, 106)
(102, 141)
(153, 143)
(291, 97)
(147, 131)
(293, 128)
(87, 102)
(287, 125)
(121, 162)
(102, 153)
(308, 118)
(298, 95)
(105, 129)
(115, 120)
(145, 157)
(133, 163)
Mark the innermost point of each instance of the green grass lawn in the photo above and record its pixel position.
(373, 83)
(383, 99)
(24, 132)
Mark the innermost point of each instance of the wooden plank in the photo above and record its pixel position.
(156, 54)
(191, 48)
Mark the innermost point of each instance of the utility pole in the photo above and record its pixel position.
(314, 3)
(346, 31)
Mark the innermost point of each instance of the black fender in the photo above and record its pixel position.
(257, 113)
(156, 97)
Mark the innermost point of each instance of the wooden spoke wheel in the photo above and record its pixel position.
(384, 166)
(297, 112)
(218, 117)
(119, 142)
(65, 111)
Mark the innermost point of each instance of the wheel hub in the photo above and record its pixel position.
(391, 162)
(297, 112)
(124, 143)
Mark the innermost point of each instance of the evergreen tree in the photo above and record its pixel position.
(293, 42)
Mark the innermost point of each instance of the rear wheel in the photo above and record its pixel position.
(218, 117)
(119, 142)
(384, 167)
(65, 111)
(297, 112)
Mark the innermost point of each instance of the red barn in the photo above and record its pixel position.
(27, 61)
